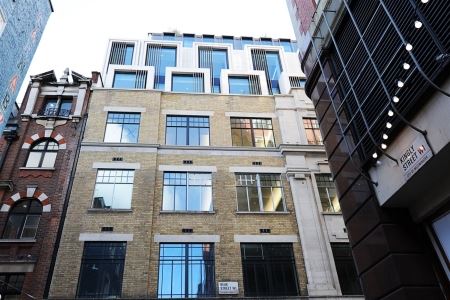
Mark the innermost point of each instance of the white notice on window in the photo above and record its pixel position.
(229, 287)
(414, 157)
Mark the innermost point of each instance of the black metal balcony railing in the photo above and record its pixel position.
(54, 112)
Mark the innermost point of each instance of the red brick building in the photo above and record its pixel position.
(39, 151)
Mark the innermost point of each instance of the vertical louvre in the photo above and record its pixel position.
(255, 85)
(206, 61)
(154, 59)
(141, 79)
(118, 53)
(297, 81)
(260, 63)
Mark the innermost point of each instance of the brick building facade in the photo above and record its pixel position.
(39, 150)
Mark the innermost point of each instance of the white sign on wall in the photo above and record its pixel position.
(414, 157)
(229, 287)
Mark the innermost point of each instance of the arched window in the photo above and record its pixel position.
(23, 220)
(42, 154)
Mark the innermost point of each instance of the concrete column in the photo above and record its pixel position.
(80, 99)
(321, 281)
(32, 97)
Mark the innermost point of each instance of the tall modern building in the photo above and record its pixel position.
(202, 174)
(39, 149)
(378, 77)
(21, 27)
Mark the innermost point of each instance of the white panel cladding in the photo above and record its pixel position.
(124, 108)
(116, 165)
(187, 112)
(276, 170)
(250, 238)
(185, 168)
(251, 115)
(106, 237)
(150, 70)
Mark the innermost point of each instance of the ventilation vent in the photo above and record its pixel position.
(187, 230)
(257, 163)
(117, 159)
(264, 230)
(106, 229)
(187, 162)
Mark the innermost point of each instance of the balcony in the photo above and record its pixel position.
(54, 112)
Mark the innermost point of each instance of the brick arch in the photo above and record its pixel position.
(45, 134)
(31, 192)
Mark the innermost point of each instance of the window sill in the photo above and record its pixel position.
(331, 213)
(187, 212)
(109, 210)
(17, 241)
(263, 212)
(37, 169)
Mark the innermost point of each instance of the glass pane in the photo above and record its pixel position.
(180, 198)
(268, 137)
(33, 159)
(442, 229)
(259, 138)
(171, 135)
(206, 199)
(101, 278)
(194, 138)
(130, 133)
(129, 55)
(103, 195)
(194, 198)
(254, 199)
(242, 198)
(168, 198)
(49, 159)
(12, 230)
(277, 198)
(267, 199)
(66, 106)
(122, 196)
(204, 136)
(112, 133)
(239, 85)
(29, 232)
(124, 80)
(181, 136)
(183, 83)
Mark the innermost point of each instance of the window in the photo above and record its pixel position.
(269, 62)
(215, 60)
(312, 130)
(269, 270)
(122, 127)
(11, 284)
(183, 130)
(113, 189)
(101, 270)
(252, 132)
(327, 193)
(160, 57)
(57, 107)
(346, 270)
(121, 53)
(187, 191)
(188, 83)
(441, 230)
(23, 220)
(130, 80)
(42, 154)
(186, 271)
(244, 85)
(297, 82)
(259, 192)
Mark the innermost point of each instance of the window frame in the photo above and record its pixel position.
(268, 262)
(187, 127)
(187, 185)
(113, 193)
(186, 263)
(189, 75)
(57, 111)
(26, 214)
(260, 193)
(215, 81)
(16, 290)
(43, 152)
(329, 199)
(252, 130)
(344, 259)
(122, 128)
(318, 139)
(86, 260)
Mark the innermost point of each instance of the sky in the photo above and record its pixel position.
(78, 31)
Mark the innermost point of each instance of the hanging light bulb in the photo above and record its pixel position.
(406, 66)
(400, 84)
(390, 113)
(424, 1)
(408, 47)
(374, 155)
(395, 99)
(385, 136)
(417, 24)
(383, 146)
(388, 125)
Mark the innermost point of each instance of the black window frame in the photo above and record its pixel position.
(186, 260)
(7, 287)
(124, 123)
(313, 127)
(269, 261)
(57, 111)
(325, 181)
(343, 257)
(13, 212)
(86, 260)
(42, 151)
(252, 130)
(188, 126)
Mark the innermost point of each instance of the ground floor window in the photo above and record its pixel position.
(11, 284)
(186, 271)
(441, 231)
(269, 270)
(101, 270)
(346, 270)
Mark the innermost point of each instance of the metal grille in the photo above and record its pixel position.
(120, 53)
(155, 58)
(297, 82)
